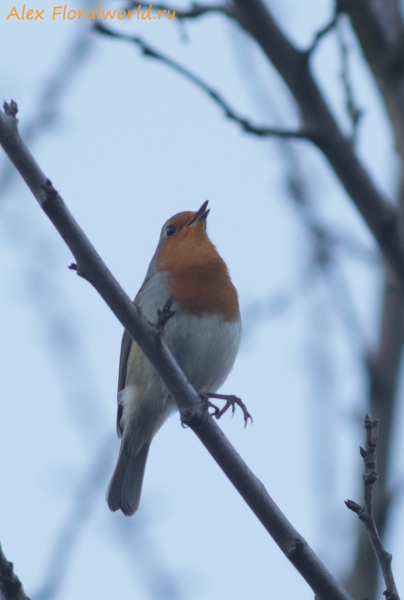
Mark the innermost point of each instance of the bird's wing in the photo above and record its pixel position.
(123, 362)
(152, 295)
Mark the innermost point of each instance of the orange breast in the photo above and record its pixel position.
(199, 280)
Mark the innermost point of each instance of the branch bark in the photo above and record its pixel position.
(383, 369)
(10, 585)
(365, 513)
(91, 267)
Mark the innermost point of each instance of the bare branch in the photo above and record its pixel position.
(382, 217)
(383, 371)
(355, 114)
(379, 28)
(194, 11)
(10, 586)
(192, 411)
(341, 6)
(322, 33)
(365, 513)
(245, 124)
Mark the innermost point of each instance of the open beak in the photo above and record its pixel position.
(200, 215)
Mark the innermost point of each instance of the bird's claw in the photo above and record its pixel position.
(164, 315)
(231, 400)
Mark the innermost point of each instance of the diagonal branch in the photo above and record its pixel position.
(365, 513)
(293, 65)
(192, 412)
(246, 125)
(10, 585)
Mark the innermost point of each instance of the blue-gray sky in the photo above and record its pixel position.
(131, 144)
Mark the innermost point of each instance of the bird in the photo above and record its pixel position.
(203, 333)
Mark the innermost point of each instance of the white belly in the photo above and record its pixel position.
(205, 349)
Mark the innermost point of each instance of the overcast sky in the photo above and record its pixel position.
(128, 143)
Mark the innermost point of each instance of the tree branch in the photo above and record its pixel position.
(10, 586)
(340, 6)
(365, 513)
(194, 11)
(380, 32)
(245, 124)
(354, 113)
(322, 33)
(383, 373)
(91, 267)
(381, 216)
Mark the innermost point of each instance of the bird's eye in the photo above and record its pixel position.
(170, 230)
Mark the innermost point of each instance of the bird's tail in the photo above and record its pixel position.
(126, 484)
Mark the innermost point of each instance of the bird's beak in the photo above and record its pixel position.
(200, 215)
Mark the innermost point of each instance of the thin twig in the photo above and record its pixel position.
(365, 513)
(354, 112)
(341, 6)
(10, 586)
(194, 11)
(321, 33)
(193, 414)
(245, 124)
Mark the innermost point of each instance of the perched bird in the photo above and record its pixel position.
(203, 335)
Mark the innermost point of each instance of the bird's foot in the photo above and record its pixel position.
(230, 401)
(164, 315)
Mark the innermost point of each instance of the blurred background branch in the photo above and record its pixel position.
(330, 275)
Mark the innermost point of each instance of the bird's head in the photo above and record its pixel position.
(184, 240)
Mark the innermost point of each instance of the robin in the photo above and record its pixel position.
(203, 335)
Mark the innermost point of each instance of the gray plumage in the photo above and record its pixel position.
(204, 343)
(126, 484)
